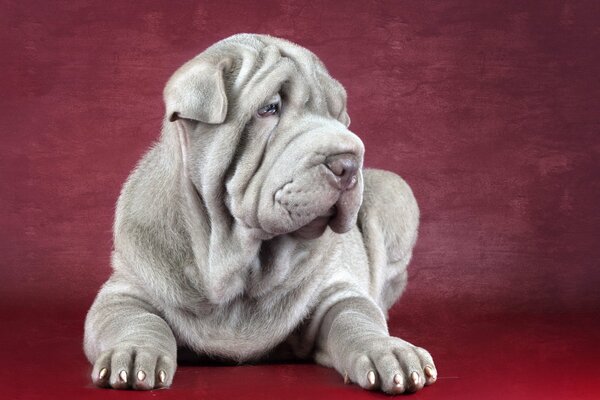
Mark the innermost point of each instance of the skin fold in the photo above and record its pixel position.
(251, 226)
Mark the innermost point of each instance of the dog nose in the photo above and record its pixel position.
(344, 167)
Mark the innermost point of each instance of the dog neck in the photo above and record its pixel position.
(232, 258)
(240, 261)
(224, 250)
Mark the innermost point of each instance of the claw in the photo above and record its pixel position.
(371, 378)
(102, 373)
(141, 375)
(430, 372)
(399, 382)
(123, 376)
(415, 377)
(346, 378)
(162, 376)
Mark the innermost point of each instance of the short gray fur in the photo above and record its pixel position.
(216, 244)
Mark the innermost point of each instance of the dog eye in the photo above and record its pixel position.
(268, 110)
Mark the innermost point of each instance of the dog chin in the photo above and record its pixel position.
(317, 226)
(339, 217)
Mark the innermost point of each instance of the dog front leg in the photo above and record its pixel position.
(128, 343)
(355, 338)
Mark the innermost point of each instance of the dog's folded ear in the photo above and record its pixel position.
(197, 92)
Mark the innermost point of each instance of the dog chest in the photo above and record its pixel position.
(246, 328)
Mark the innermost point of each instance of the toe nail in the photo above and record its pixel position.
(346, 378)
(415, 377)
(430, 372)
(141, 375)
(103, 373)
(123, 376)
(371, 377)
(398, 381)
(162, 376)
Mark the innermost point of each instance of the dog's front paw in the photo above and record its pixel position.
(389, 364)
(140, 368)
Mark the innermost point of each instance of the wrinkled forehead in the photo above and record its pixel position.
(262, 65)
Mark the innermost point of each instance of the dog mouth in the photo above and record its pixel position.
(336, 217)
(313, 205)
(317, 226)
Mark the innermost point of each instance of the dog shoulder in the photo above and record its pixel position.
(389, 213)
(148, 215)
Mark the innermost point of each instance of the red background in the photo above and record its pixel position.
(490, 110)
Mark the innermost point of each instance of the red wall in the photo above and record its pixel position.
(490, 110)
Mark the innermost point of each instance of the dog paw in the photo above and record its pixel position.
(139, 368)
(389, 364)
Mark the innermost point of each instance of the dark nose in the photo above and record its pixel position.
(344, 167)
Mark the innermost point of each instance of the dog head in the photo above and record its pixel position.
(264, 120)
(264, 135)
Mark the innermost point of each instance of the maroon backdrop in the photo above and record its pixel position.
(490, 110)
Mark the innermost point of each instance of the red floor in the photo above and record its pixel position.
(504, 356)
(488, 109)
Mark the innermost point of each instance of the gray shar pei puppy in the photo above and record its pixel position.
(251, 230)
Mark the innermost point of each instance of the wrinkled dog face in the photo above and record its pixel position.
(309, 172)
(267, 136)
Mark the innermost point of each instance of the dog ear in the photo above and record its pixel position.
(197, 92)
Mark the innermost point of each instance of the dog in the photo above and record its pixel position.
(250, 229)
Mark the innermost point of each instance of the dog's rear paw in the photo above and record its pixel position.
(391, 365)
(140, 368)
